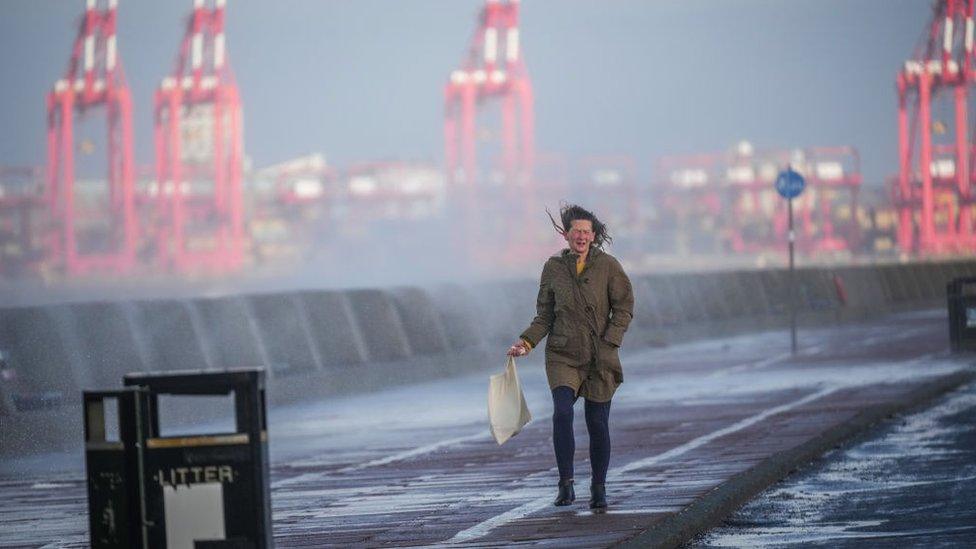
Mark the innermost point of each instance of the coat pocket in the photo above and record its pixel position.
(609, 358)
(561, 347)
(558, 341)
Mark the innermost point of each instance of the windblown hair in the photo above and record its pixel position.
(571, 212)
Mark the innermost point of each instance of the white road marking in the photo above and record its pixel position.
(752, 365)
(407, 454)
(903, 333)
(392, 458)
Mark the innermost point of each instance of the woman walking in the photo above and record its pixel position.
(585, 304)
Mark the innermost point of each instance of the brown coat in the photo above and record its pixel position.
(585, 317)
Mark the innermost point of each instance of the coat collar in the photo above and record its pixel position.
(570, 256)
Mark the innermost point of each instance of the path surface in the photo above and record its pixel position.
(416, 466)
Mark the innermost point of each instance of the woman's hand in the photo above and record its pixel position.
(518, 349)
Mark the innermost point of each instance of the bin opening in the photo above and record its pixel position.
(962, 286)
(961, 301)
(970, 317)
(102, 420)
(181, 415)
(967, 288)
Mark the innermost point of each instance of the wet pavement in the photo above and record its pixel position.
(912, 483)
(416, 465)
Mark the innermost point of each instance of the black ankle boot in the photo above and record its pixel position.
(566, 493)
(598, 498)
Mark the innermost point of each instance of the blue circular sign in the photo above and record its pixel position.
(789, 183)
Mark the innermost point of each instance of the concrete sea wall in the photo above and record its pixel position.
(324, 342)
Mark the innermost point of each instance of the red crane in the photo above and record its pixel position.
(933, 190)
(199, 152)
(494, 71)
(94, 79)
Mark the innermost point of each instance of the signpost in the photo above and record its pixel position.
(789, 184)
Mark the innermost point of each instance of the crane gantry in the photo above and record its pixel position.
(199, 151)
(94, 79)
(490, 168)
(933, 192)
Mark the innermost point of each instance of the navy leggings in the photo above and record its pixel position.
(598, 426)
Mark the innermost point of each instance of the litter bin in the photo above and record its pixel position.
(961, 296)
(209, 488)
(112, 457)
(180, 491)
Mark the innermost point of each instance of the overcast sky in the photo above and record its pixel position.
(363, 79)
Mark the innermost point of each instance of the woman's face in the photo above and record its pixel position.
(580, 235)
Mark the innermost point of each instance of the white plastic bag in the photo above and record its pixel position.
(507, 411)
